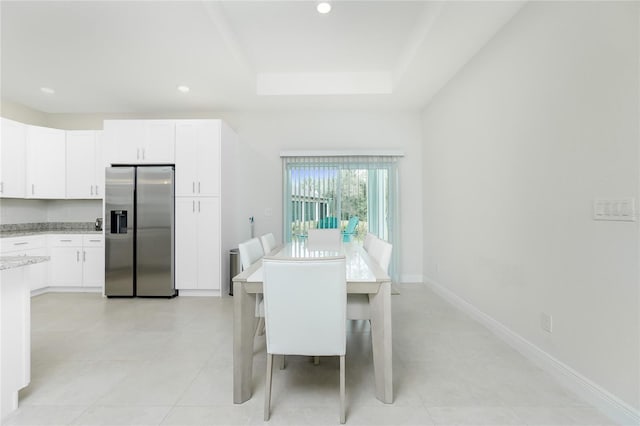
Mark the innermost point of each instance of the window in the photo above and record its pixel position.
(342, 191)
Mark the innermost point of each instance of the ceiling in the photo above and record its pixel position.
(130, 56)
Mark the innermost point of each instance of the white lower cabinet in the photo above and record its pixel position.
(198, 243)
(30, 245)
(76, 261)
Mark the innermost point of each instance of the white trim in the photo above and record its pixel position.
(66, 289)
(607, 403)
(409, 278)
(349, 153)
(199, 293)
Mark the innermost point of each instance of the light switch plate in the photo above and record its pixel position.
(622, 209)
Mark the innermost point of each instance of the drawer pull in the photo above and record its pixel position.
(65, 241)
(95, 241)
(21, 244)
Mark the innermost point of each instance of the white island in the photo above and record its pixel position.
(15, 328)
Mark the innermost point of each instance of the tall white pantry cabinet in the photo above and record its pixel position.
(204, 157)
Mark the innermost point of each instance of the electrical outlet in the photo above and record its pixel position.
(546, 322)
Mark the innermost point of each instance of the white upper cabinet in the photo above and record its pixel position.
(46, 157)
(85, 174)
(140, 141)
(198, 157)
(12, 158)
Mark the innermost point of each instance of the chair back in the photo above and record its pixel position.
(368, 239)
(350, 230)
(250, 252)
(380, 251)
(328, 222)
(268, 242)
(324, 239)
(305, 305)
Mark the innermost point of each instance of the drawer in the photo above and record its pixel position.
(65, 240)
(8, 245)
(92, 240)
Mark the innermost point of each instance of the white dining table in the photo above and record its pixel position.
(364, 276)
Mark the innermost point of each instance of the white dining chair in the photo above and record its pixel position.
(324, 239)
(368, 239)
(250, 252)
(305, 312)
(268, 242)
(358, 304)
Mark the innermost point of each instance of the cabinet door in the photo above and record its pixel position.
(45, 162)
(159, 143)
(186, 158)
(208, 243)
(81, 164)
(12, 158)
(208, 158)
(125, 138)
(186, 234)
(66, 266)
(99, 165)
(93, 266)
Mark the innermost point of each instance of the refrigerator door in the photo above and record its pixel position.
(154, 231)
(119, 231)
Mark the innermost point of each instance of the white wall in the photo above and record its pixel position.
(263, 135)
(541, 122)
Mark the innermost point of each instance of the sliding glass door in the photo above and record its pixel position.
(356, 194)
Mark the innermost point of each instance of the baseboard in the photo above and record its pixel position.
(610, 405)
(199, 293)
(408, 279)
(45, 290)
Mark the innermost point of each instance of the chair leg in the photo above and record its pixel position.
(267, 387)
(343, 415)
(316, 360)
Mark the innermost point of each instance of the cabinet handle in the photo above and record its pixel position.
(21, 244)
(91, 189)
(77, 255)
(33, 189)
(84, 256)
(198, 206)
(143, 153)
(198, 187)
(193, 187)
(97, 193)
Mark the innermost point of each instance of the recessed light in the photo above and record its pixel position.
(183, 89)
(324, 7)
(47, 90)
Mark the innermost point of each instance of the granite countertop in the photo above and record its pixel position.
(10, 262)
(24, 229)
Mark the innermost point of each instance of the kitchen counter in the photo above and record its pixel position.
(10, 262)
(25, 229)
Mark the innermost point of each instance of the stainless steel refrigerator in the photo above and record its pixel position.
(139, 231)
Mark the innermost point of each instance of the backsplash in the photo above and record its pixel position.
(24, 211)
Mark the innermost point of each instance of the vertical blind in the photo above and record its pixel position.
(332, 191)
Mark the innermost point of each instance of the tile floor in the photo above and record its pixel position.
(98, 361)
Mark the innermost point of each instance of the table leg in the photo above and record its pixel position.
(243, 327)
(380, 305)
